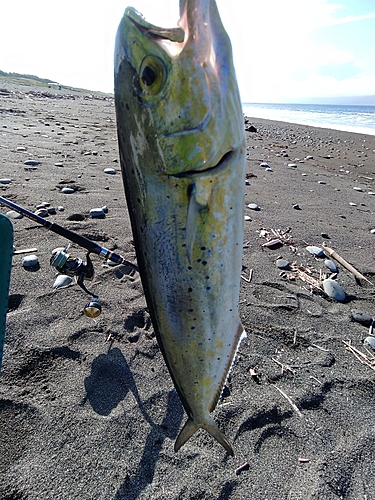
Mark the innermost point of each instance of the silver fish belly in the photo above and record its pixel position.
(182, 150)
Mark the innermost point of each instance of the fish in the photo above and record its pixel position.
(182, 151)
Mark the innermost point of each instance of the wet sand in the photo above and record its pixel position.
(87, 408)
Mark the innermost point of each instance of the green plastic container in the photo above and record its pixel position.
(6, 253)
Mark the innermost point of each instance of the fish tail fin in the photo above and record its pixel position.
(210, 426)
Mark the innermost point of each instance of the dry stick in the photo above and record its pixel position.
(363, 358)
(25, 250)
(331, 253)
(248, 280)
(295, 408)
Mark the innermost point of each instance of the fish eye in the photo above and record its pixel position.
(152, 75)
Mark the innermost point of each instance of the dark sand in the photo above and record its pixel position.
(87, 408)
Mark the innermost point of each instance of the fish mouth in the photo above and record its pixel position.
(221, 164)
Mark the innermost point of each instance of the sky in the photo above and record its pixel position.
(284, 50)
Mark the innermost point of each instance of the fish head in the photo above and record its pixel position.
(177, 91)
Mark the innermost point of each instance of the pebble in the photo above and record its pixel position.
(21, 148)
(317, 251)
(30, 261)
(334, 290)
(292, 165)
(269, 169)
(5, 181)
(59, 164)
(111, 263)
(356, 188)
(67, 190)
(62, 280)
(309, 158)
(361, 317)
(105, 209)
(247, 218)
(247, 183)
(325, 235)
(331, 265)
(264, 164)
(42, 212)
(322, 182)
(111, 171)
(282, 264)
(372, 231)
(31, 163)
(60, 208)
(352, 204)
(372, 193)
(253, 206)
(12, 214)
(51, 210)
(296, 206)
(370, 341)
(97, 212)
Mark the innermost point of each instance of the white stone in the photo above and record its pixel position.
(30, 261)
(111, 171)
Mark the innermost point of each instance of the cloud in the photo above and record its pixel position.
(348, 19)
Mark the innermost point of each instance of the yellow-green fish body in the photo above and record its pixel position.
(182, 149)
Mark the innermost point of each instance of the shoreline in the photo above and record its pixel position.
(282, 123)
(313, 118)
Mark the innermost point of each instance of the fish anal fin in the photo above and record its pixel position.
(210, 426)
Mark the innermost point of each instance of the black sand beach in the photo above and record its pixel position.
(87, 407)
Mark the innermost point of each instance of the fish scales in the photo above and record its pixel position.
(182, 151)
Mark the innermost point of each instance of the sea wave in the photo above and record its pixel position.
(360, 119)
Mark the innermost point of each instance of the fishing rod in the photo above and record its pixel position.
(65, 264)
(90, 245)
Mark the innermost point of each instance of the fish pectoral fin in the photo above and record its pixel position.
(192, 221)
(210, 426)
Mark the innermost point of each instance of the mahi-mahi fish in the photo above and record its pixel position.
(182, 151)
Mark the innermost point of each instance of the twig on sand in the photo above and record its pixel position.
(331, 253)
(295, 407)
(321, 348)
(25, 250)
(248, 280)
(283, 366)
(368, 360)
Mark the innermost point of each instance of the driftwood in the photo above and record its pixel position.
(331, 253)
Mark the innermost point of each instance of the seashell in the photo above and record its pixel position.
(61, 281)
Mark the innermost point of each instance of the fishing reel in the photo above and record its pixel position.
(70, 266)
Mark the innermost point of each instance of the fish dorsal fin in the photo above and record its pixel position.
(241, 334)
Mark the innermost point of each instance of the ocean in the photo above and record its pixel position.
(359, 119)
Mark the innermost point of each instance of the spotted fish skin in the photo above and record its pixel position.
(182, 150)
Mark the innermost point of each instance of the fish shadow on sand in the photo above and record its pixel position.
(133, 485)
(107, 385)
(109, 382)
